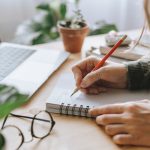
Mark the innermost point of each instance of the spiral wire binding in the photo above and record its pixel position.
(67, 109)
(61, 108)
(80, 110)
(73, 109)
(86, 111)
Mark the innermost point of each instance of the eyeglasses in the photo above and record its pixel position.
(41, 126)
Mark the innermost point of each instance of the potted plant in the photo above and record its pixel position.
(42, 27)
(73, 32)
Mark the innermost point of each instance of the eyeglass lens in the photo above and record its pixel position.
(13, 137)
(41, 129)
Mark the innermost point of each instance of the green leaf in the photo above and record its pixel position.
(42, 22)
(2, 141)
(36, 26)
(43, 6)
(51, 18)
(63, 10)
(39, 29)
(41, 38)
(53, 35)
(38, 40)
(10, 99)
(103, 29)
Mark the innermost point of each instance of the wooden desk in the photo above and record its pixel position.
(70, 133)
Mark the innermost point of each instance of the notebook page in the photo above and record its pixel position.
(65, 85)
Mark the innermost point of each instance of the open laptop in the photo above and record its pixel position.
(28, 68)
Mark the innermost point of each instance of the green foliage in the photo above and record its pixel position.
(63, 10)
(2, 141)
(10, 98)
(42, 28)
(102, 28)
(43, 6)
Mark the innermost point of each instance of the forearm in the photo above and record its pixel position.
(139, 74)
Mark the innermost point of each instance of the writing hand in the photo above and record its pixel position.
(111, 75)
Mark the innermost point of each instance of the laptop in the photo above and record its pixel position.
(28, 68)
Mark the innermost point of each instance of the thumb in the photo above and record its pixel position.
(90, 78)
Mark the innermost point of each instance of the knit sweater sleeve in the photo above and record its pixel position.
(139, 74)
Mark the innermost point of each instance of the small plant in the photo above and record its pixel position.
(73, 32)
(76, 22)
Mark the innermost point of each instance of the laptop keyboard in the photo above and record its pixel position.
(11, 58)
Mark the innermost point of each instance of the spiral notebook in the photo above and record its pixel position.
(79, 104)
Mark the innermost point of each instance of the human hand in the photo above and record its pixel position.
(111, 75)
(127, 123)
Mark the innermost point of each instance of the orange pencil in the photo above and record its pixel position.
(101, 62)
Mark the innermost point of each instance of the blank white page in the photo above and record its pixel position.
(66, 84)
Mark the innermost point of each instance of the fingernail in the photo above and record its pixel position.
(99, 121)
(83, 84)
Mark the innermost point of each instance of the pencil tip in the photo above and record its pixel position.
(75, 90)
(72, 94)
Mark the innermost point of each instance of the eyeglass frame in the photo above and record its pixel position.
(32, 123)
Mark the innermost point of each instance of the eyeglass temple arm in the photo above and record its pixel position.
(21, 116)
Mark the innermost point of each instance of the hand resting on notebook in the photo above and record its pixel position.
(127, 123)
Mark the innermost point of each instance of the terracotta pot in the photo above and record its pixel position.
(73, 38)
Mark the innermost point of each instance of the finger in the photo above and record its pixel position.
(84, 90)
(123, 139)
(93, 91)
(96, 90)
(77, 75)
(114, 129)
(91, 78)
(107, 109)
(82, 68)
(110, 119)
(89, 62)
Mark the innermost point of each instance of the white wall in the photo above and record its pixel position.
(126, 14)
